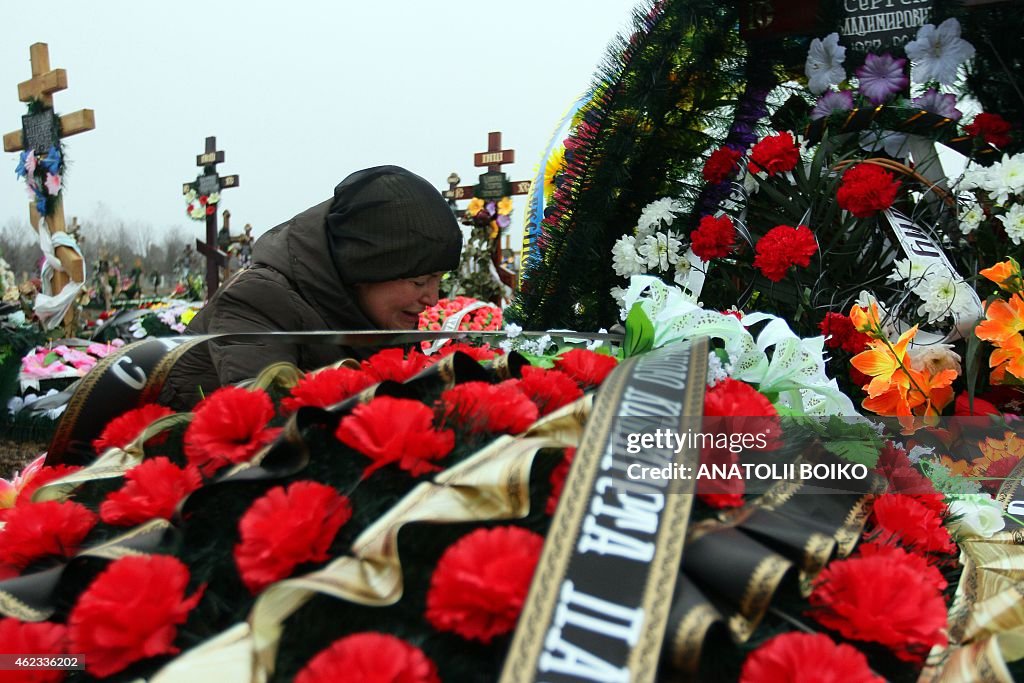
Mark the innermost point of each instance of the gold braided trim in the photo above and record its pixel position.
(282, 374)
(689, 637)
(849, 533)
(761, 586)
(817, 552)
(11, 606)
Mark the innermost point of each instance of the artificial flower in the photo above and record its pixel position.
(41, 530)
(26, 164)
(548, 389)
(783, 247)
(943, 104)
(127, 427)
(52, 184)
(589, 368)
(943, 294)
(395, 430)
(285, 528)
(824, 66)
(369, 658)
(480, 583)
(481, 353)
(928, 573)
(326, 388)
(557, 480)
(775, 154)
(867, 189)
(714, 237)
(903, 519)
(992, 128)
(152, 490)
(493, 408)
(626, 260)
(51, 162)
(661, 250)
(658, 212)
(881, 77)
(832, 102)
(977, 516)
(806, 658)
(841, 334)
(130, 612)
(938, 52)
(32, 639)
(894, 464)
(229, 427)
(1006, 274)
(971, 218)
(934, 358)
(1013, 223)
(721, 165)
(393, 365)
(882, 598)
(967, 406)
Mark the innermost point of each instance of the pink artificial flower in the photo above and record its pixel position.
(30, 162)
(52, 184)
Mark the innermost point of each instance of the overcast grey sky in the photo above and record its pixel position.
(298, 94)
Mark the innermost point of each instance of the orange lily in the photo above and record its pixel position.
(1009, 356)
(1006, 274)
(882, 361)
(1003, 319)
(866, 320)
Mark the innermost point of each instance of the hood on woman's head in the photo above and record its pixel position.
(387, 223)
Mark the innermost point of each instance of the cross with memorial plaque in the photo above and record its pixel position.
(206, 184)
(40, 131)
(493, 184)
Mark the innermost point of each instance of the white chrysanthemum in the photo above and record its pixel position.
(1013, 223)
(937, 53)
(942, 295)
(663, 210)
(717, 370)
(1006, 178)
(513, 330)
(682, 276)
(625, 259)
(824, 65)
(661, 250)
(971, 218)
(903, 270)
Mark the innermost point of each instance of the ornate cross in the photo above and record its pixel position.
(40, 87)
(206, 184)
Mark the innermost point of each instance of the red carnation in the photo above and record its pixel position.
(775, 154)
(733, 407)
(784, 246)
(480, 583)
(130, 612)
(41, 639)
(807, 658)
(965, 407)
(903, 477)
(369, 658)
(904, 519)
(229, 427)
(867, 189)
(326, 388)
(122, 430)
(713, 238)
(587, 367)
(881, 598)
(557, 480)
(391, 364)
(992, 128)
(998, 472)
(287, 527)
(478, 353)
(548, 389)
(152, 489)
(721, 165)
(396, 430)
(929, 573)
(43, 530)
(841, 334)
(494, 408)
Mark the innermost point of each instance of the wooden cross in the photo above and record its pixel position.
(40, 87)
(206, 184)
(493, 185)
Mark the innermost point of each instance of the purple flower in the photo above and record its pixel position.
(942, 104)
(831, 102)
(491, 208)
(881, 77)
(503, 221)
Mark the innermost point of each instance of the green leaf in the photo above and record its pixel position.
(51, 357)
(973, 356)
(639, 332)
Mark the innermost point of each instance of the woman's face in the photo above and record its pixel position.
(397, 304)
